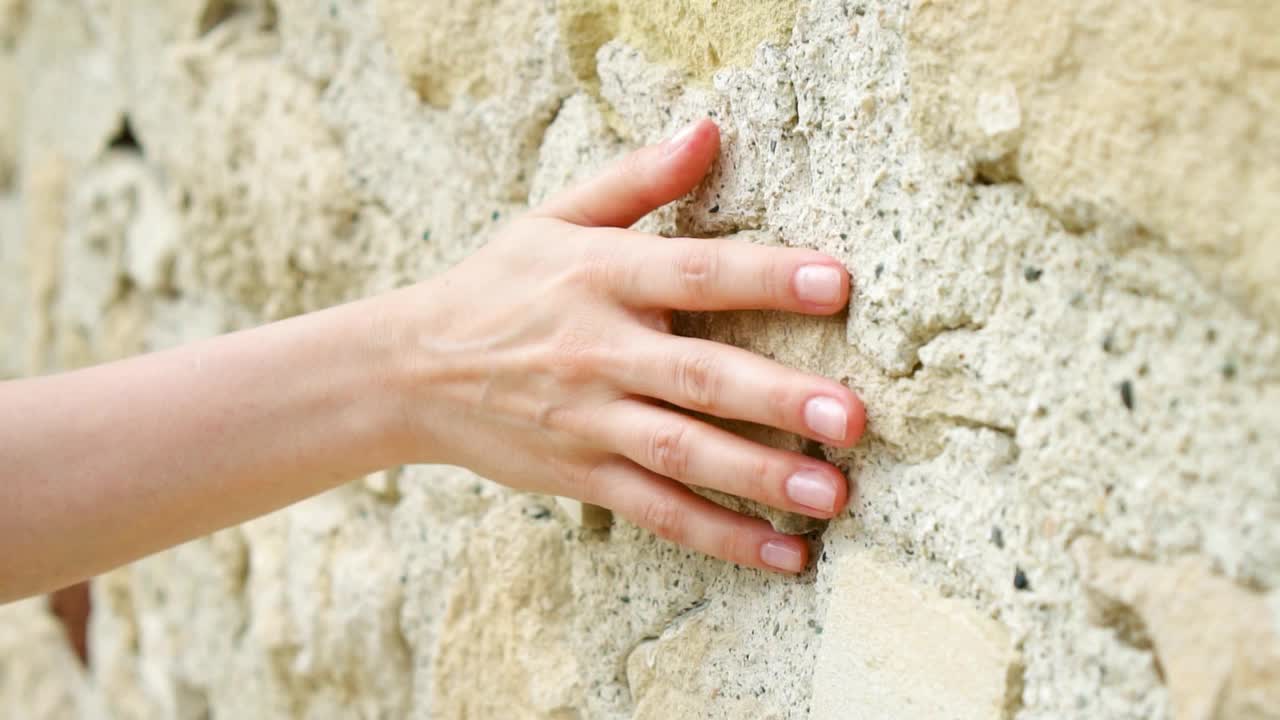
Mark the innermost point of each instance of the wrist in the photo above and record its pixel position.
(371, 333)
(399, 328)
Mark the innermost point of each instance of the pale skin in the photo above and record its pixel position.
(552, 343)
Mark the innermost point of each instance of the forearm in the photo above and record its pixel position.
(101, 466)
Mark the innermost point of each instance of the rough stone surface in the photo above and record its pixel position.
(1220, 656)
(1130, 112)
(1064, 325)
(890, 649)
(697, 36)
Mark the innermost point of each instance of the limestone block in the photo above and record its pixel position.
(1156, 113)
(1216, 641)
(585, 514)
(14, 324)
(696, 36)
(665, 675)
(446, 49)
(45, 188)
(12, 16)
(72, 101)
(502, 649)
(577, 144)
(892, 649)
(40, 676)
(269, 211)
(10, 121)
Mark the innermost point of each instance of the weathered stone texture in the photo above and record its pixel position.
(1159, 114)
(1219, 653)
(1064, 325)
(697, 36)
(890, 649)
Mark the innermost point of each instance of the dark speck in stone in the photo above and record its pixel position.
(997, 537)
(1032, 274)
(1020, 580)
(1126, 394)
(879, 270)
(714, 209)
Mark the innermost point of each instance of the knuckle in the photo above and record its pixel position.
(698, 377)
(733, 546)
(665, 518)
(669, 450)
(583, 480)
(554, 417)
(697, 270)
(781, 402)
(774, 278)
(598, 269)
(760, 474)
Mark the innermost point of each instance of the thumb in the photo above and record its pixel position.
(640, 182)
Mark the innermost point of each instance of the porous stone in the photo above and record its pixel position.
(1062, 324)
(585, 514)
(447, 49)
(45, 683)
(696, 36)
(1214, 639)
(1036, 87)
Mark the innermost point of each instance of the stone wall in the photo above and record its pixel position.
(1060, 218)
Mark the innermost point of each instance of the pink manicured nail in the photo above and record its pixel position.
(818, 284)
(812, 489)
(781, 556)
(681, 138)
(827, 417)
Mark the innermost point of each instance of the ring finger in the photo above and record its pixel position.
(673, 512)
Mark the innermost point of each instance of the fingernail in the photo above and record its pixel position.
(812, 489)
(781, 556)
(827, 417)
(681, 138)
(818, 284)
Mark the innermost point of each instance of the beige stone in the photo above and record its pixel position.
(1215, 640)
(1005, 290)
(47, 680)
(585, 514)
(45, 189)
(10, 121)
(502, 650)
(1159, 114)
(666, 675)
(893, 649)
(696, 36)
(448, 48)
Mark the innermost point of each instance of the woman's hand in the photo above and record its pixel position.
(545, 362)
